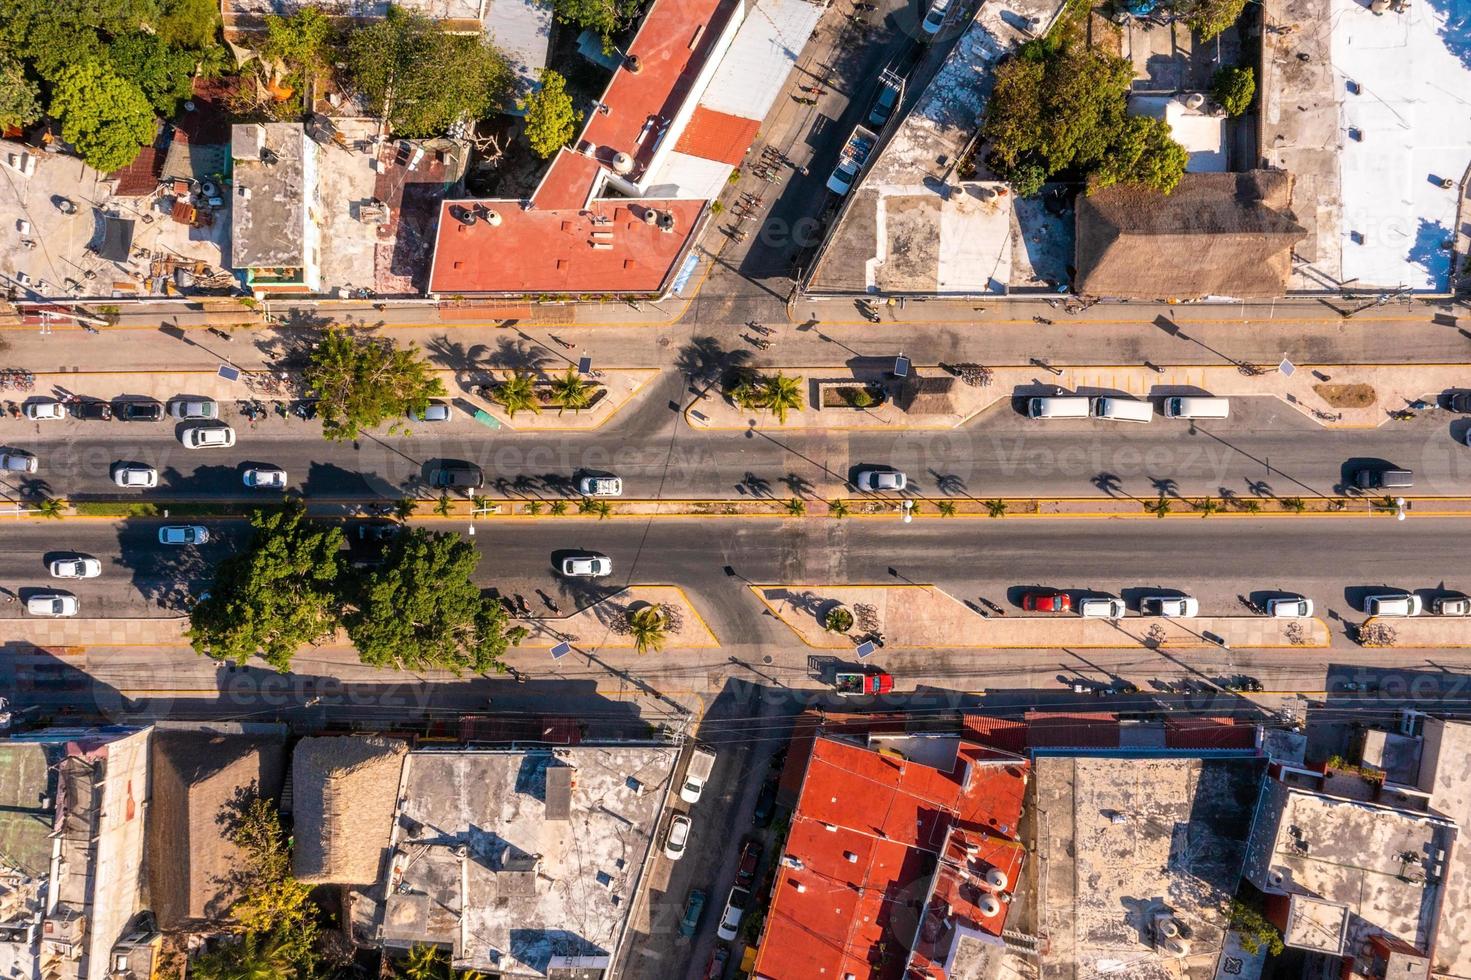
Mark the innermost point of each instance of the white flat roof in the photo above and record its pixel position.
(1202, 133)
(754, 70)
(1413, 72)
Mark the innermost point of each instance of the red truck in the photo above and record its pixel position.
(856, 683)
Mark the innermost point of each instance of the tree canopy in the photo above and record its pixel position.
(1211, 17)
(603, 17)
(164, 74)
(20, 102)
(420, 609)
(362, 382)
(1060, 106)
(423, 79)
(107, 118)
(1233, 89)
(551, 122)
(278, 594)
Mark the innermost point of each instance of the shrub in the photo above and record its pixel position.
(838, 620)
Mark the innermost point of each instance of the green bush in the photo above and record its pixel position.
(838, 620)
(1233, 89)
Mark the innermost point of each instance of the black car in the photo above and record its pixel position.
(765, 804)
(456, 475)
(91, 410)
(139, 411)
(750, 862)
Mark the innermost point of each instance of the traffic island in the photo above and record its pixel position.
(607, 392)
(920, 616)
(1414, 632)
(657, 616)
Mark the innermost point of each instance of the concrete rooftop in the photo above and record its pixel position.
(270, 196)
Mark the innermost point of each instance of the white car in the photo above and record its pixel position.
(678, 838)
(433, 412)
(135, 475)
(43, 411)
(183, 534)
(52, 604)
(1169, 606)
(730, 919)
(874, 480)
(935, 17)
(600, 486)
(587, 566)
(1104, 607)
(214, 437)
(1290, 607)
(194, 408)
(78, 567)
(1393, 604)
(265, 479)
(18, 462)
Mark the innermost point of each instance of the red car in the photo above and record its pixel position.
(715, 969)
(1053, 602)
(749, 863)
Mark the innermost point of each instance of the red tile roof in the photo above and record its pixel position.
(141, 176)
(868, 830)
(718, 136)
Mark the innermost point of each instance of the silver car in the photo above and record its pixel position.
(18, 462)
(600, 486)
(587, 566)
(1102, 607)
(78, 567)
(876, 480)
(52, 604)
(433, 412)
(265, 479)
(135, 475)
(213, 437)
(194, 408)
(1169, 606)
(181, 534)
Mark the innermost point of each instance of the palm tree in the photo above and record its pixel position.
(52, 507)
(254, 957)
(1160, 507)
(1207, 506)
(404, 509)
(780, 394)
(517, 393)
(533, 507)
(947, 508)
(443, 507)
(570, 391)
(587, 505)
(745, 394)
(838, 508)
(1293, 504)
(996, 508)
(558, 508)
(796, 507)
(649, 627)
(1250, 506)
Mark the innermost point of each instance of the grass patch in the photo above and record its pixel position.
(1347, 396)
(104, 508)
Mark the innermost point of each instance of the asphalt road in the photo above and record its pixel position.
(1265, 448)
(1332, 561)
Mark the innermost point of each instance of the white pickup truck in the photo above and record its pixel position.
(851, 160)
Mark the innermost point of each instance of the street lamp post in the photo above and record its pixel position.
(907, 510)
(1400, 507)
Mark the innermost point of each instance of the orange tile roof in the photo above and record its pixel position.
(867, 831)
(718, 136)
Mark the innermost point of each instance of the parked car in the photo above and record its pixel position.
(765, 804)
(194, 408)
(879, 480)
(587, 566)
(77, 567)
(749, 863)
(735, 908)
(600, 486)
(183, 534)
(52, 604)
(715, 967)
(678, 837)
(139, 411)
(91, 410)
(1369, 478)
(1102, 607)
(935, 17)
(208, 437)
(17, 461)
(449, 476)
(1052, 602)
(264, 478)
(43, 410)
(135, 475)
(1169, 606)
(433, 412)
(1393, 604)
(1290, 607)
(1451, 605)
(694, 909)
(1460, 402)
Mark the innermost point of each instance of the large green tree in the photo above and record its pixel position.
(164, 74)
(551, 122)
(20, 103)
(603, 17)
(423, 79)
(362, 382)
(190, 24)
(1233, 89)
(420, 609)
(1143, 152)
(279, 593)
(107, 118)
(1210, 17)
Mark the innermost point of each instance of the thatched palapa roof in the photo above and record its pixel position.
(1218, 234)
(345, 790)
(199, 781)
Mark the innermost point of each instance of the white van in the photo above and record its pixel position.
(696, 774)
(1122, 410)
(1393, 605)
(1058, 407)
(1189, 407)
